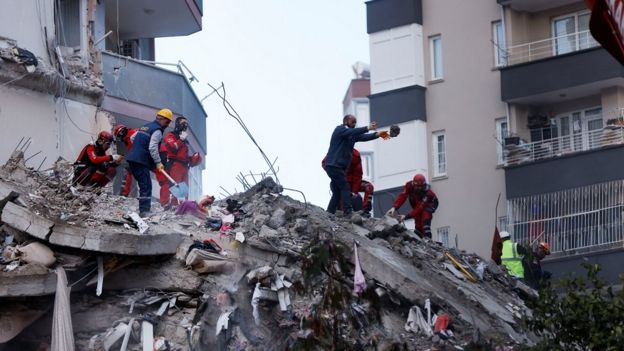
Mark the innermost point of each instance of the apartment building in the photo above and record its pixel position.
(95, 69)
(516, 99)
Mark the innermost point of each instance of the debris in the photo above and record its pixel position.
(147, 335)
(416, 323)
(359, 283)
(62, 331)
(136, 219)
(115, 334)
(100, 275)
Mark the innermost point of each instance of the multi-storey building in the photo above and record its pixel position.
(518, 100)
(95, 69)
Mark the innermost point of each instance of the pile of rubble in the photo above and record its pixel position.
(261, 272)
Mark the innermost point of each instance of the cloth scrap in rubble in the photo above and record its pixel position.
(416, 322)
(359, 282)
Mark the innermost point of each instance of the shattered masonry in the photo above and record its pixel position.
(275, 274)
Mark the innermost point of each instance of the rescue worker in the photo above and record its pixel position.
(123, 133)
(423, 201)
(93, 166)
(338, 159)
(534, 276)
(144, 157)
(174, 152)
(354, 178)
(513, 253)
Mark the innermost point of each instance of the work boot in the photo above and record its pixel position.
(145, 214)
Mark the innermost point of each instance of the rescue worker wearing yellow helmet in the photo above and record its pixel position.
(145, 157)
(513, 253)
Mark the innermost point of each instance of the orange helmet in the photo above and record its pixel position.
(120, 131)
(544, 245)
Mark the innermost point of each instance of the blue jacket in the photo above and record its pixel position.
(140, 147)
(341, 144)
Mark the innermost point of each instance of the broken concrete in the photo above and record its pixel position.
(22, 219)
(28, 280)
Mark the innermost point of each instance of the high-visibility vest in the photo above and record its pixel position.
(512, 260)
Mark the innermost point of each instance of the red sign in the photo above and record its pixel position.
(607, 25)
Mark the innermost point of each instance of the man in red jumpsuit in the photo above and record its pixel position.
(354, 178)
(423, 201)
(94, 167)
(175, 147)
(124, 134)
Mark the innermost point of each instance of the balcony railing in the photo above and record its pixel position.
(550, 47)
(571, 221)
(563, 145)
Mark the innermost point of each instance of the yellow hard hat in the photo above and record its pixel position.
(165, 113)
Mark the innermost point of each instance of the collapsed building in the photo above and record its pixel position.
(263, 272)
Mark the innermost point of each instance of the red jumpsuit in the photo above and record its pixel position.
(127, 140)
(94, 167)
(423, 203)
(178, 164)
(354, 178)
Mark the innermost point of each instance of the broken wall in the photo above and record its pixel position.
(27, 22)
(57, 126)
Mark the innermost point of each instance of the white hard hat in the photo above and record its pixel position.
(504, 235)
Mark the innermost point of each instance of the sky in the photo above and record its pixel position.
(286, 66)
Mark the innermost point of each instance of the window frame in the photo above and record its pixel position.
(500, 146)
(500, 50)
(432, 57)
(436, 153)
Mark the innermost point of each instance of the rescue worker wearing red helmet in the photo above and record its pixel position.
(534, 276)
(178, 160)
(94, 167)
(125, 135)
(423, 201)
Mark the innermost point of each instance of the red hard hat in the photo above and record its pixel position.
(420, 180)
(545, 246)
(120, 131)
(106, 136)
(195, 159)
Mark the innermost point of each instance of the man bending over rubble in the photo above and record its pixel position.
(144, 157)
(94, 167)
(126, 135)
(423, 201)
(338, 159)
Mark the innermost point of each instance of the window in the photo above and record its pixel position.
(367, 165)
(498, 38)
(502, 132)
(443, 235)
(571, 33)
(435, 46)
(439, 154)
(68, 22)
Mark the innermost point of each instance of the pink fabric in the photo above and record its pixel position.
(359, 282)
(190, 207)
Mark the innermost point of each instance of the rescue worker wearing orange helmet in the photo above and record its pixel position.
(423, 201)
(94, 167)
(534, 276)
(178, 160)
(125, 135)
(145, 157)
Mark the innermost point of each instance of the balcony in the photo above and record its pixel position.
(139, 19)
(535, 5)
(564, 67)
(137, 89)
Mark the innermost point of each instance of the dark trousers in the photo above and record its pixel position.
(341, 190)
(142, 175)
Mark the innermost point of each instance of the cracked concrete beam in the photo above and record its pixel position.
(37, 283)
(6, 194)
(26, 221)
(115, 242)
(168, 276)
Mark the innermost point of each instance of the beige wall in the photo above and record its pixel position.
(466, 104)
(24, 22)
(58, 127)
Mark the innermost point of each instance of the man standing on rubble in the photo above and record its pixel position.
(513, 254)
(94, 167)
(145, 157)
(174, 151)
(121, 132)
(423, 201)
(338, 159)
(534, 276)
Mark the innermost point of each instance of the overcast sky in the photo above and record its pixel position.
(286, 66)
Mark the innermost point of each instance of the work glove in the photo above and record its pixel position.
(402, 218)
(116, 157)
(384, 135)
(391, 212)
(372, 126)
(183, 135)
(160, 167)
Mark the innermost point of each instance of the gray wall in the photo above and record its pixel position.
(610, 262)
(386, 14)
(398, 106)
(383, 200)
(153, 86)
(559, 72)
(565, 172)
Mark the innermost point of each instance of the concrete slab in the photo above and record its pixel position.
(28, 280)
(22, 219)
(168, 276)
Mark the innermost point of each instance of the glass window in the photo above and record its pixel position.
(571, 33)
(439, 154)
(502, 132)
(498, 38)
(436, 57)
